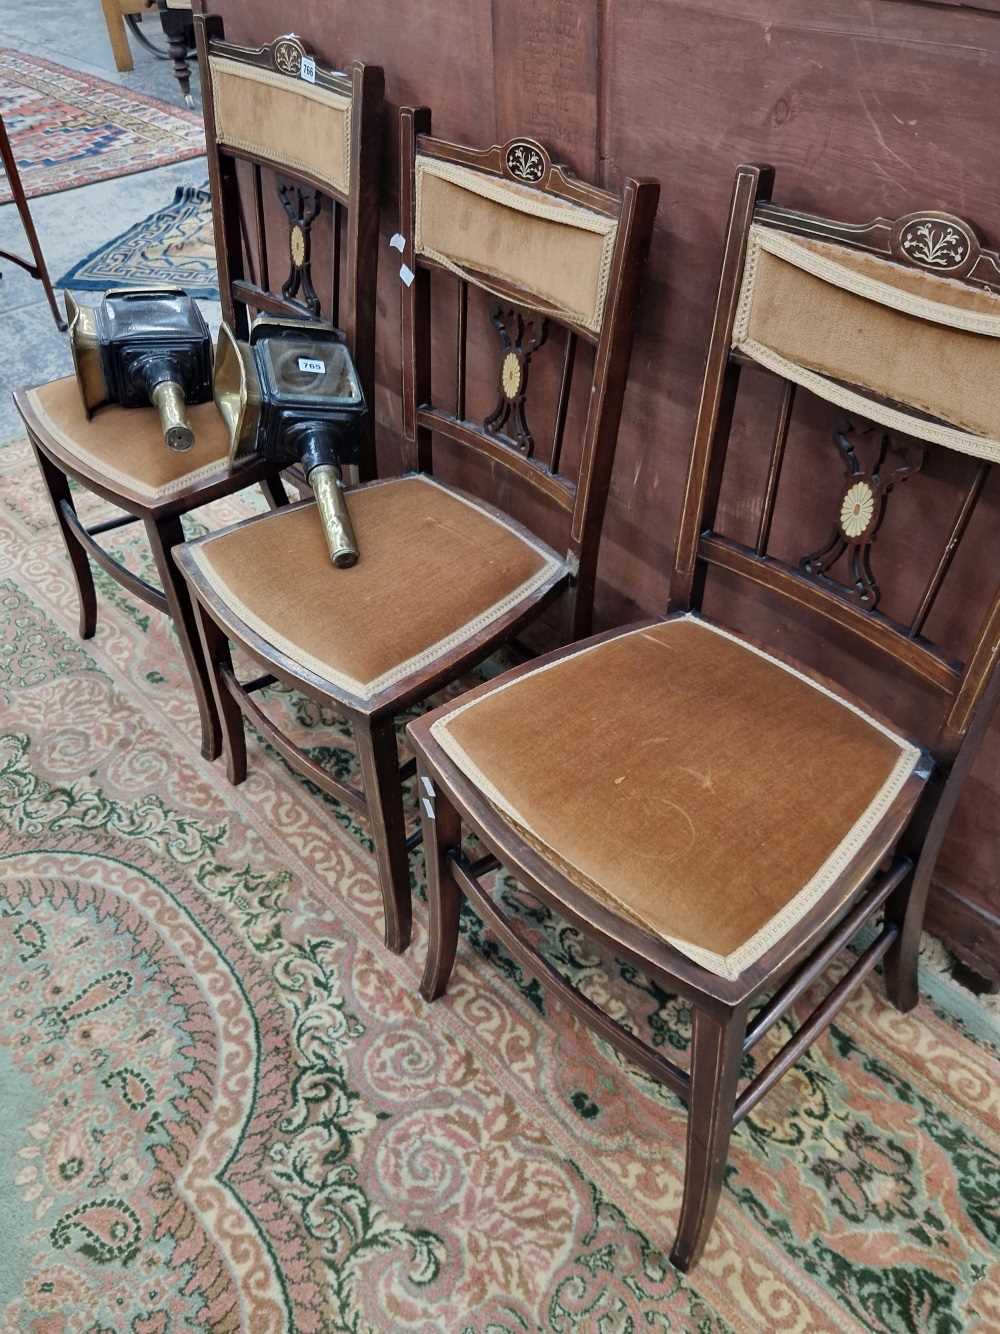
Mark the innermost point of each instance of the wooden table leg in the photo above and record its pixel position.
(114, 18)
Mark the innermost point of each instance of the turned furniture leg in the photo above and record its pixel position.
(442, 827)
(379, 756)
(716, 1055)
(165, 534)
(57, 485)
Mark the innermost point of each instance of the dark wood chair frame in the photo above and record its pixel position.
(372, 720)
(892, 873)
(356, 218)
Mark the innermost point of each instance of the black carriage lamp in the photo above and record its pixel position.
(292, 395)
(141, 346)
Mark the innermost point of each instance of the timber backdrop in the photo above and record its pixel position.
(865, 108)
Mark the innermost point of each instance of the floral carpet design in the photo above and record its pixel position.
(224, 1107)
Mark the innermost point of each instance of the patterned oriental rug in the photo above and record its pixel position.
(224, 1107)
(175, 245)
(70, 129)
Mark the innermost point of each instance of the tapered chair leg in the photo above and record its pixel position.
(716, 1054)
(165, 534)
(379, 758)
(442, 831)
(57, 485)
(218, 658)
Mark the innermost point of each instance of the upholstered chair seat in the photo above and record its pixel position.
(438, 568)
(123, 448)
(679, 775)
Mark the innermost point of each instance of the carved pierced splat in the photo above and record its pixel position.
(303, 207)
(861, 510)
(520, 339)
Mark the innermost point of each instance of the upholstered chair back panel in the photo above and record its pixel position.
(482, 227)
(283, 120)
(899, 345)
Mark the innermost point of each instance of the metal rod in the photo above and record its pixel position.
(965, 512)
(562, 406)
(774, 467)
(461, 348)
(804, 977)
(813, 1026)
(407, 770)
(415, 839)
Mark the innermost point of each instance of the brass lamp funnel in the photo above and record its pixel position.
(292, 395)
(142, 346)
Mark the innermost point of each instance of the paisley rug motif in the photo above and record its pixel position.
(174, 246)
(225, 1107)
(69, 129)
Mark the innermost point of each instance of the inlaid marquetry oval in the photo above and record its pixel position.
(524, 161)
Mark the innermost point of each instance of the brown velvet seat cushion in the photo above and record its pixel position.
(124, 448)
(434, 569)
(695, 784)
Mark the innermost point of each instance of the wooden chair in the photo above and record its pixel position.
(443, 578)
(252, 98)
(711, 811)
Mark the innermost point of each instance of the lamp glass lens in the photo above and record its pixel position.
(305, 370)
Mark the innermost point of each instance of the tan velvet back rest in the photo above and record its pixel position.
(294, 159)
(504, 234)
(548, 250)
(865, 332)
(281, 118)
(897, 324)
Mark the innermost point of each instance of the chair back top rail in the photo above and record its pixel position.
(896, 324)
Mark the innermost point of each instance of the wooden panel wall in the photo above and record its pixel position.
(863, 106)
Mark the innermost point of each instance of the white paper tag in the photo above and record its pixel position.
(398, 242)
(428, 808)
(406, 274)
(307, 69)
(311, 366)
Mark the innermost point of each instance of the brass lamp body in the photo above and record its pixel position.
(140, 346)
(291, 395)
